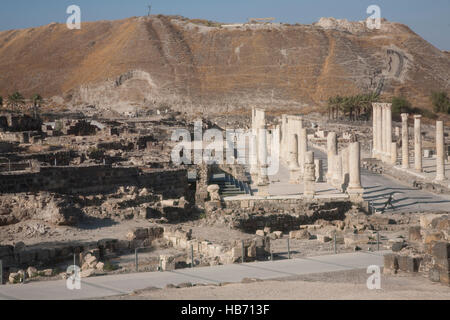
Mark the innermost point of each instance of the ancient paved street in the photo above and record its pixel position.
(97, 287)
(377, 189)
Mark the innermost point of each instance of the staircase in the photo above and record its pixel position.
(229, 186)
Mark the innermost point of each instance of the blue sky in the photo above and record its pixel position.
(430, 19)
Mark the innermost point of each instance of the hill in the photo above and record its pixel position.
(164, 59)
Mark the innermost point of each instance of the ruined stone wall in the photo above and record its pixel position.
(97, 178)
(10, 122)
(281, 214)
(426, 251)
(224, 253)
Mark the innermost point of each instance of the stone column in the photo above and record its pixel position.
(319, 170)
(388, 108)
(417, 143)
(293, 151)
(269, 142)
(374, 130)
(263, 179)
(303, 148)
(253, 156)
(331, 153)
(337, 172)
(405, 141)
(393, 153)
(354, 188)
(379, 130)
(309, 177)
(383, 132)
(294, 169)
(284, 141)
(440, 153)
(345, 168)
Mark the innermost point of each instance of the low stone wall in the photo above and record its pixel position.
(97, 178)
(283, 214)
(256, 248)
(427, 250)
(23, 122)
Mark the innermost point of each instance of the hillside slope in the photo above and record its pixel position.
(144, 60)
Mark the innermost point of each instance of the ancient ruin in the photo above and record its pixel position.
(158, 166)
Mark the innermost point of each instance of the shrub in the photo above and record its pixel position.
(401, 105)
(441, 102)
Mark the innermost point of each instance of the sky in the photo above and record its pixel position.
(430, 19)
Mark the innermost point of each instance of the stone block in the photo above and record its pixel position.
(409, 263)
(433, 237)
(414, 233)
(390, 263)
(425, 220)
(397, 246)
(137, 234)
(441, 250)
(278, 234)
(260, 233)
(167, 262)
(300, 235)
(434, 275)
(323, 238)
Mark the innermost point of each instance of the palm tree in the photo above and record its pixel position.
(16, 100)
(334, 105)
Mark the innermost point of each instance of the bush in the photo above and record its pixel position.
(109, 266)
(401, 105)
(441, 102)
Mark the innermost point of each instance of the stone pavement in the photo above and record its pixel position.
(103, 286)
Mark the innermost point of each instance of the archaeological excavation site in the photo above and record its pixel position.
(172, 153)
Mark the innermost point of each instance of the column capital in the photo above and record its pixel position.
(405, 116)
(417, 116)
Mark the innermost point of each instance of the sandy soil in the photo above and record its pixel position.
(347, 285)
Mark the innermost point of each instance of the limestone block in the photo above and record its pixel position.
(390, 263)
(414, 233)
(167, 262)
(300, 235)
(213, 191)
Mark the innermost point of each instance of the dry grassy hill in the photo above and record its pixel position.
(145, 60)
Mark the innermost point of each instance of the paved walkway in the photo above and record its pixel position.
(103, 286)
(377, 189)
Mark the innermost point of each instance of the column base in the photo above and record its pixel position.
(309, 195)
(294, 176)
(355, 193)
(263, 181)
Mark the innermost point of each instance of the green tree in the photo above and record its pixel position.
(441, 102)
(365, 107)
(16, 100)
(401, 105)
(334, 106)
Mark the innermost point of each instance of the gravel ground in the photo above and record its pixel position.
(346, 285)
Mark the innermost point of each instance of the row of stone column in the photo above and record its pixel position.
(382, 132)
(344, 168)
(440, 146)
